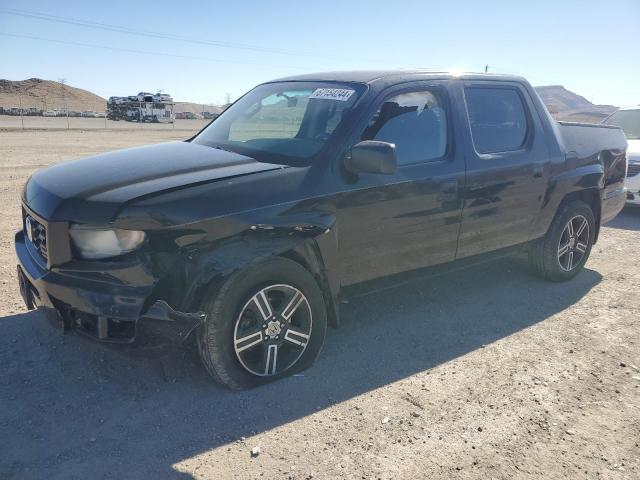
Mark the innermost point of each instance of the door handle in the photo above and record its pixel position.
(537, 172)
(448, 191)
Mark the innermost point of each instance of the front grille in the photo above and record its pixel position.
(633, 169)
(37, 234)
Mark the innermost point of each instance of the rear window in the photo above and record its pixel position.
(497, 118)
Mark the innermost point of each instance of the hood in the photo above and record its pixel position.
(633, 150)
(95, 188)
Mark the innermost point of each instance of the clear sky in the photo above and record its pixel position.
(591, 47)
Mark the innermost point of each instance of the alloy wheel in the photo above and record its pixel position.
(272, 330)
(574, 242)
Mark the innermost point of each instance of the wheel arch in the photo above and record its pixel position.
(590, 196)
(309, 256)
(316, 254)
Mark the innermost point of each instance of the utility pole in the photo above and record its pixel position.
(21, 115)
(63, 81)
(228, 98)
(486, 68)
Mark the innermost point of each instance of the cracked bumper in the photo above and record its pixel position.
(99, 304)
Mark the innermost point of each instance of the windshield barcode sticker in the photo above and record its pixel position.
(342, 94)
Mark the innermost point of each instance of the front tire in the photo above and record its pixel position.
(263, 323)
(562, 253)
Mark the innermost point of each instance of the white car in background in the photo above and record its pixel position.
(162, 98)
(629, 120)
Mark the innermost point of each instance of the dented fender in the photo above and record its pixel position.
(310, 239)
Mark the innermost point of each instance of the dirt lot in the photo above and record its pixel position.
(482, 373)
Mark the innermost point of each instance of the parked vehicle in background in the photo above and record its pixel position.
(156, 113)
(143, 108)
(145, 97)
(248, 235)
(629, 120)
(49, 113)
(162, 97)
(188, 116)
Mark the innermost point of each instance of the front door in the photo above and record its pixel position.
(394, 223)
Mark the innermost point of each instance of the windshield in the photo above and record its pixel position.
(286, 122)
(628, 120)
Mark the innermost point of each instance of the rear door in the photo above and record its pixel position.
(507, 167)
(394, 223)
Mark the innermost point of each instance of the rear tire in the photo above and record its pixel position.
(561, 254)
(263, 323)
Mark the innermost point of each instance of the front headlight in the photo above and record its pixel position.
(93, 243)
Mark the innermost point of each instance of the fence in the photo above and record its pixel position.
(18, 117)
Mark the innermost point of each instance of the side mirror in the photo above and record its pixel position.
(371, 156)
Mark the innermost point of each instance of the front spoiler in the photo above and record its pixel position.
(108, 312)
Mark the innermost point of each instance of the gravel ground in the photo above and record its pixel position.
(485, 373)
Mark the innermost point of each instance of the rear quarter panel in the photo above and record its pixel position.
(593, 164)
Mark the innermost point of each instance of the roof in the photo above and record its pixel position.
(371, 76)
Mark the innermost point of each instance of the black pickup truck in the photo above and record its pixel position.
(245, 237)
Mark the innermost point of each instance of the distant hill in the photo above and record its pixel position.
(198, 108)
(566, 105)
(46, 94)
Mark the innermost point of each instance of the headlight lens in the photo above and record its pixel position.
(93, 243)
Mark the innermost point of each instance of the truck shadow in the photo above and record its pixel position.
(72, 409)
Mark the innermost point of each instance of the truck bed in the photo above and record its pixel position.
(589, 146)
(588, 139)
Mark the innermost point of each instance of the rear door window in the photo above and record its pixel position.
(497, 117)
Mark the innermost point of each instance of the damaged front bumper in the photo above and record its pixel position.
(113, 305)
